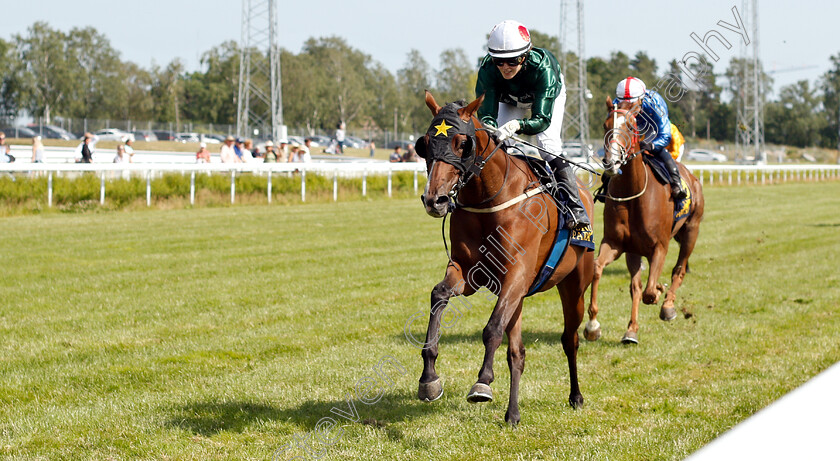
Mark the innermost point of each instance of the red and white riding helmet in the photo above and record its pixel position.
(630, 89)
(508, 39)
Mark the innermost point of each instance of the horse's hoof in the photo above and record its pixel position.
(513, 420)
(480, 392)
(592, 331)
(429, 392)
(631, 337)
(576, 401)
(667, 314)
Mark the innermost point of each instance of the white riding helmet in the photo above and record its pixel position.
(509, 39)
(630, 89)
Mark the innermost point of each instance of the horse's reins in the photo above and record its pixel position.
(624, 159)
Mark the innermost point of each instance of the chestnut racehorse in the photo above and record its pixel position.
(502, 230)
(639, 221)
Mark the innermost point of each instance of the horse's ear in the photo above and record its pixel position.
(466, 113)
(431, 103)
(609, 104)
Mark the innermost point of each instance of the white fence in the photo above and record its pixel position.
(149, 170)
(708, 174)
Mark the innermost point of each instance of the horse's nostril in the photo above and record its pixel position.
(441, 199)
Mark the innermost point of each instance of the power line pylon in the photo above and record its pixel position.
(749, 131)
(260, 102)
(573, 64)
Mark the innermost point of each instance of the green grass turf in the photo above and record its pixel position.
(226, 333)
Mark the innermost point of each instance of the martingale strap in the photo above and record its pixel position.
(507, 204)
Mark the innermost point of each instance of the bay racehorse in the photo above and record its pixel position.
(639, 220)
(503, 229)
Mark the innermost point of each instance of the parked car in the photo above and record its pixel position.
(18, 132)
(404, 144)
(319, 141)
(210, 138)
(51, 131)
(186, 137)
(111, 134)
(145, 135)
(214, 138)
(297, 139)
(164, 135)
(702, 155)
(574, 151)
(354, 142)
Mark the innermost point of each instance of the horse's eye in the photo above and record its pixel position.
(463, 145)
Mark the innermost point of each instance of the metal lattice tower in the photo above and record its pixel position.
(260, 102)
(573, 64)
(749, 131)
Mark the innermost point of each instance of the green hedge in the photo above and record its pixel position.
(24, 193)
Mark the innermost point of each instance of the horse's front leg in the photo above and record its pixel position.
(510, 300)
(606, 254)
(430, 387)
(516, 363)
(634, 265)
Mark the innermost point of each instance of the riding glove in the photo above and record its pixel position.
(508, 129)
(644, 145)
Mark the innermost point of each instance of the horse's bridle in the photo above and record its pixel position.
(623, 157)
(470, 165)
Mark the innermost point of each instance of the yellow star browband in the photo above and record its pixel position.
(442, 128)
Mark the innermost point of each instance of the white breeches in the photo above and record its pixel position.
(550, 139)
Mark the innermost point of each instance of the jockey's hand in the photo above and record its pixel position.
(508, 129)
(644, 145)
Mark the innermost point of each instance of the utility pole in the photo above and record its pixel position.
(749, 129)
(573, 65)
(260, 102)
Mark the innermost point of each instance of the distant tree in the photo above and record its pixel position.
(644, 67)
(210, 95)
(793, 119)
(456, 77)
(98, 87)
(412, 79)
(380, 112)
(830, 85)
(168, 91)
(44, 72)
(345, 70)
(10, 85)
(545, 41)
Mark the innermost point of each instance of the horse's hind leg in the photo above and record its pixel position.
(430, 387)
(516, 363)
(687, 237)
(634, 265)
(606, 254)
(572, 289)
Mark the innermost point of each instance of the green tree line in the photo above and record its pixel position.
(78, 74)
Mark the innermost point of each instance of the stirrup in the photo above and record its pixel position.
(678, 193)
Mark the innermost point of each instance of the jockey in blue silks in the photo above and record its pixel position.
(654, 124)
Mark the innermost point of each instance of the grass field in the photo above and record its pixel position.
(227, 333)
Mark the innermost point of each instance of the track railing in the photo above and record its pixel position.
(708, 174)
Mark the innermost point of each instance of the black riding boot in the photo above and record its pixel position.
(565, 179)
(677, 191)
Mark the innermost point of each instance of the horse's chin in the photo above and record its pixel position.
(435, 212)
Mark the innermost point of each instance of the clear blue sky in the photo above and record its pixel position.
(792, 34)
